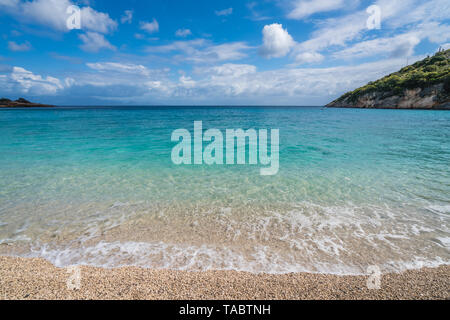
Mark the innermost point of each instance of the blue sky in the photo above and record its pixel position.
(270, 52)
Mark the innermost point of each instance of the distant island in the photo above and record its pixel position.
(21, 103)
(423, 85)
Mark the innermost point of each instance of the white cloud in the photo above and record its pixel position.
(96, 21)
(203, 51)
(215, 78)
(401, 45)
(94, 42)
(305, 8)
(240, 83)
(398, 46)
(69, 82)
(13, 46)
(118, 80)
(397, 13)
(52, 13)
(183, 33)
(221, 52)
(228, 69)
(335, 32)
(412, 15)
(150, 27)
(435, 32)
(26, 82)
(224, 12)
(187, 82)
(277, 42)
(127, 16)
(309, 57)
(230, 83)
(283, 85)
(120, 68)
(188, 46)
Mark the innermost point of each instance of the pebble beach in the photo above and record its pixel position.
(37, 279)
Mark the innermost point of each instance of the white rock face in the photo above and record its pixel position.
(432, 97)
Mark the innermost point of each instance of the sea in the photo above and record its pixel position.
(356, 188)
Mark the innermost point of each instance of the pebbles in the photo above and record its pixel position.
(38, 279)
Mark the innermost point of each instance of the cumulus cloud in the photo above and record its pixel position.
(52, 14)
(96, 21)
(318, 85)
(183, 33)
(282, 85)
(216, 78)
(25, 82)
(94, 42)
(277, 42)
(150, 27)
(224, 12)
(223, 82)
(117, 80)
(14, 46)
(305, 8)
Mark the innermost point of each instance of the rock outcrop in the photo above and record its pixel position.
(21, 103)
(423, 85)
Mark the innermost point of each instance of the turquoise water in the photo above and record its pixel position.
(355, 188)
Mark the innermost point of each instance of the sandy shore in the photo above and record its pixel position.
(38, 279)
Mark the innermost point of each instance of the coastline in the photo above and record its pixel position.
(38, 279)
(27, 106)
(445, 107)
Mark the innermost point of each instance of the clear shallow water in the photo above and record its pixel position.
(355, 188)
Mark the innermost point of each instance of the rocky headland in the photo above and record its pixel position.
(21, 103)
(422, 85)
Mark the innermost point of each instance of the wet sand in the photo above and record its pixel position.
(38, 279)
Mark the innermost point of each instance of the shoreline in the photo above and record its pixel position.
(38, 279)
(445, 108)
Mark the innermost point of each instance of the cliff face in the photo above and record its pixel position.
(423, 85)
(432, 97)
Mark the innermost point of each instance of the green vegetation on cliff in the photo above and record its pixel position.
(422, 74)
(19, 103)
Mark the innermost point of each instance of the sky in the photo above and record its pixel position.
(203, 52)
